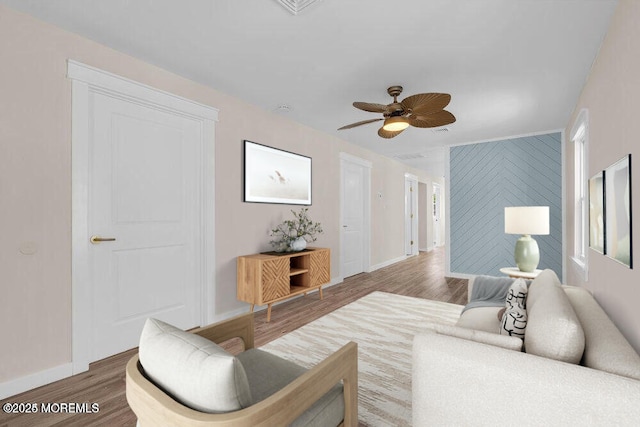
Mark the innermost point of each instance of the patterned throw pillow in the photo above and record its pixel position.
(517, 294)
(514, 322)
(514, 319)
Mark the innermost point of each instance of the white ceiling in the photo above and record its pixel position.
(512, 67)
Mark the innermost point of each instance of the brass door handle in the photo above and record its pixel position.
(97, 239)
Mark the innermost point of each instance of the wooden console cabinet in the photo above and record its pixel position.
(271, 277)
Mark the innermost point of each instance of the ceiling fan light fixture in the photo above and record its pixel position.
(394, 124)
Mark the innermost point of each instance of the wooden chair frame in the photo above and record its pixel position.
(154, 407)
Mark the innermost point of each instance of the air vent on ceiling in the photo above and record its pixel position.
(282, 108)
(296, 6)
(440, 130)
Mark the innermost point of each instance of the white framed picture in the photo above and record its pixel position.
(276, 176)
(618, 211)
(596, 212)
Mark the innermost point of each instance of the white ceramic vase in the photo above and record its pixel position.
(298, 245)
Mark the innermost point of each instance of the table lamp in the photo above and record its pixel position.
(526, 220)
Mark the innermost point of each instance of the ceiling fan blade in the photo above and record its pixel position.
(426, 103)
(364, 122)
(440, 118)
(370, 107)
(388, 133)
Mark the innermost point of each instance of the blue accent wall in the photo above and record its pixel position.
(484, 179)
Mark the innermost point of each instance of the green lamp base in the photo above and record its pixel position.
(527, 253)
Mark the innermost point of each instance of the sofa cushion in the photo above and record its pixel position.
(487, 296)
(553, 328)
(268, 374)
(194, 370)
(481, 319)
(605, 348)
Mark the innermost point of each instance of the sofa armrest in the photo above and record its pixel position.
(460, 382)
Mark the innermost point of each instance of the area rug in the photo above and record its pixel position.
(383, 325)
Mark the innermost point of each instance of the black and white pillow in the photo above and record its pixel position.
(514, 319)
(517, 294)
(514, 322)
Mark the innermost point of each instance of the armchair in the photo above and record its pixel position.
(283, 393)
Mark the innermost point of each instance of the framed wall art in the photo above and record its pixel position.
(276, 176)
(618, 211)
(597, 212)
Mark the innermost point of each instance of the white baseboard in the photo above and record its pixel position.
(386, 263)
(37, 379)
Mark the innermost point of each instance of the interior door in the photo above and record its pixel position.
(144, 187)
(436, 216)
(353, 176)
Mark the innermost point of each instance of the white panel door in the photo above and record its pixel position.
(144, 186)
(353, 176)
(436, 216)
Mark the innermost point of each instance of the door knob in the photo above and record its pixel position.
(97, 239)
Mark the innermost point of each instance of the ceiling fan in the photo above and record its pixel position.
(424, 110)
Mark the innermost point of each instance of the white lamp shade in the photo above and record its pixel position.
(526, 220)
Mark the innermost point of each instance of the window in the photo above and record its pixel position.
(580, 138)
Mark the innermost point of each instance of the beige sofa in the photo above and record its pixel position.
(573, 368)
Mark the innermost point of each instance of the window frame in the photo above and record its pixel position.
(580, 138)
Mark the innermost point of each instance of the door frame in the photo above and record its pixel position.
(366, 201)
(85, 81)
(411, 223)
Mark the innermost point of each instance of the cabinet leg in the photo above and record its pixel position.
(269, 313)
(252, 305)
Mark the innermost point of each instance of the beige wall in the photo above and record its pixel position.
(35, 186)
(612, 96)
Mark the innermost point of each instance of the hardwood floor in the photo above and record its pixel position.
(421, 276)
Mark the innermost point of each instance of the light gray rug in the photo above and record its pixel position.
(383, 325)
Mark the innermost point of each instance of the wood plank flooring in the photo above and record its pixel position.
(420, 276)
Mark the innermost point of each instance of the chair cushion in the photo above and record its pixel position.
(553, 329)
(267, 374)
(194, 370)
